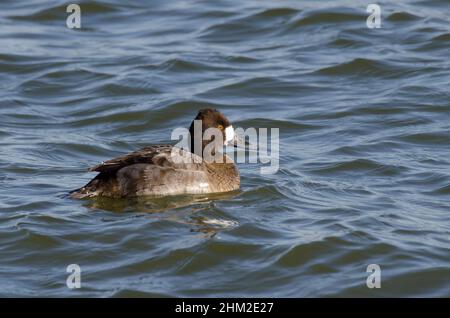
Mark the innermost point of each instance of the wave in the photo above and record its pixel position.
(368, 67)
(329, 16)
(56, 13)
(403, 17)
(357, 166)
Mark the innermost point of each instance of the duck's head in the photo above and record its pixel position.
(212, 118)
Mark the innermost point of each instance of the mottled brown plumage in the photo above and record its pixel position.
(161, 170)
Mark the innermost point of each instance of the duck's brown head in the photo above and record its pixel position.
(211, 118)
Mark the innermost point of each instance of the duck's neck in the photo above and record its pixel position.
(197, 144)
(198, 147)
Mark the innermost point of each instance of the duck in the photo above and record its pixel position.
(164, 170)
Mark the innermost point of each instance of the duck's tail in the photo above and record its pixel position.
(96, 187)
(81, 193)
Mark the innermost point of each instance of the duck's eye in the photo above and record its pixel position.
(220, 127)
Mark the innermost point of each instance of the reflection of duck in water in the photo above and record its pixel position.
(159, 170)
(198, 212)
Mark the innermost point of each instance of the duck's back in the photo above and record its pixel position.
(158, 171)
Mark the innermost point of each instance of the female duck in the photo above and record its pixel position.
(161, 170)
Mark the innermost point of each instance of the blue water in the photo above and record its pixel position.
(364, 119)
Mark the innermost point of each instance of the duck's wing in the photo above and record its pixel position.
(153, 155)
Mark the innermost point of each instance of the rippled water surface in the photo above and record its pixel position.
(364, 118)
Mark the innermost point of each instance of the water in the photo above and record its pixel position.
(364, 167)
